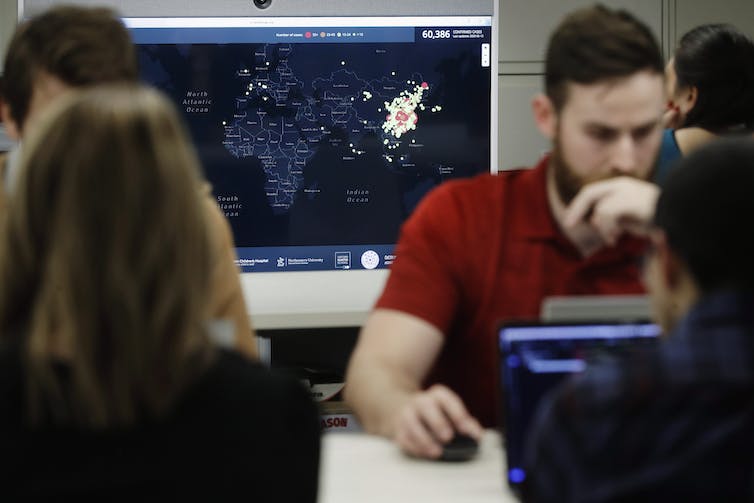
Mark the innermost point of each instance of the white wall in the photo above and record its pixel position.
(685, 14)
(7, 25)
(8, 18)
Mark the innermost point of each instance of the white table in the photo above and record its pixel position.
(357, 467)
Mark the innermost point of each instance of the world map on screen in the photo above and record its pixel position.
(324, 144)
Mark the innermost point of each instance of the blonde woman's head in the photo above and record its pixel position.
(105, 261)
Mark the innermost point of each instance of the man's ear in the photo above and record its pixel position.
(688, 99)
(544, 115)
(11, 126)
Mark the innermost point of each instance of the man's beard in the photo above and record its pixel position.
(569, 184)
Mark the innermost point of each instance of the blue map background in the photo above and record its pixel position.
(455, 139)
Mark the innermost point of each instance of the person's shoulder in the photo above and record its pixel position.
(489, 182)
(691, 138)
(10, 361)
(607, 385)
(11, 380)
(237, 381)
(463, 186)
(478, 190)
(233, 367)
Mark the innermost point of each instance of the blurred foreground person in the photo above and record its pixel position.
(673, 423)
(110, 386)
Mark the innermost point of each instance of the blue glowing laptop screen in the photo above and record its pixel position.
(535, 358)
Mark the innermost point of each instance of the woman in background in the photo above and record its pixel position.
(109, 384)
(710, 81)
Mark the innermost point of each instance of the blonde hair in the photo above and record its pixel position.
(105, 261)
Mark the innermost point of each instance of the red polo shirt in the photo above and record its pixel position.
(482, 250)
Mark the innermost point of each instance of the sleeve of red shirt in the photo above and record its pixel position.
(425, 278)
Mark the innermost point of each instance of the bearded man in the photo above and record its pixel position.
(479, 251)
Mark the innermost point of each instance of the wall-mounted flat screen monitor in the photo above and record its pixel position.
(321, 125)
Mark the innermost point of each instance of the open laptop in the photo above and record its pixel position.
(536, 356)
(596, 308)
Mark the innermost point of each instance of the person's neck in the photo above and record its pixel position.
(583, 237)
(691, 138)
(685, 294)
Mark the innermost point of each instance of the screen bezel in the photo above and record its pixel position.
(311, 298)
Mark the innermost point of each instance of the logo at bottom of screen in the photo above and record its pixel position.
(370, 259)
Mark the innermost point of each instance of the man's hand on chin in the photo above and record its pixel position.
(613, 207)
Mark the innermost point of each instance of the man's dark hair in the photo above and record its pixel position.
(718, 60)
(80, 46)
(707, 212)
(595, 44)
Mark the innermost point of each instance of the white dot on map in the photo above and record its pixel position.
(264, 98)
(413, 141)
(224, 123)
(350, 144)
(352, 98)
(392, 73)
(386, 141)
(322, 128)
(342, 62)
(353, 150)
(267, 63)
(264, 86)
(247, 93)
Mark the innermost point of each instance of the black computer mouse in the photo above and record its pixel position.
(460, 448)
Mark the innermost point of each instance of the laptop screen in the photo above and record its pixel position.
(535, 357)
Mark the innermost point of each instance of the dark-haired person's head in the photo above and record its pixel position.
(711, 78)
(603, 100)
(598, 44)
(62, 48)
(703, 239)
